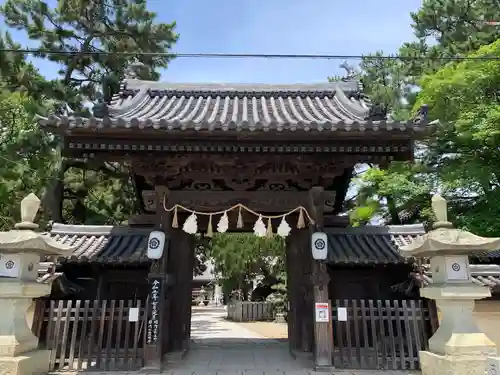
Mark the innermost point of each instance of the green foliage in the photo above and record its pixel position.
(280, 295)
(405, 187)
(26, 156)
(83, 28)
(18, 75)
(458, 26)
(461, 158)
(237, 255)
(465, 97)
(78, 191)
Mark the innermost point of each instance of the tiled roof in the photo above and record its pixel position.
(102, 244)
(487, 256)
(370, 244)
(48, 277)
(207, 107)
(482, 274)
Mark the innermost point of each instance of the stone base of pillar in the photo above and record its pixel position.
(324, 368)
(436, 364)
(35, 362)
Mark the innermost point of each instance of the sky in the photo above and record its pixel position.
(273, 27)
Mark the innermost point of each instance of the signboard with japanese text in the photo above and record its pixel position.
(155, 293)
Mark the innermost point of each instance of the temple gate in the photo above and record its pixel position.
(211, 146)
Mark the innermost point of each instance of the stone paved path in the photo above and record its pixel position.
(220, 347)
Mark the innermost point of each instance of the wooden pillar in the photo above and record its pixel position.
(300, 314)
(323, 338)
(180, 266)
(155, 327)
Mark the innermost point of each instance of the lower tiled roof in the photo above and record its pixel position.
(102, 244)
(49, 277)
(370, 244)
(487, 256)
(482, 274)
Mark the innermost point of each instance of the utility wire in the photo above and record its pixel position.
(30, 51)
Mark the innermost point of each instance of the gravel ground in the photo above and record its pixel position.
(267, 329)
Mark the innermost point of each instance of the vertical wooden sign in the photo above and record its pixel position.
(155, 293)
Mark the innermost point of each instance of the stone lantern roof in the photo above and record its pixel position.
(446, 240)
(24, 239)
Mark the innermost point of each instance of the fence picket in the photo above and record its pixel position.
(373, 324)
(81, 350)
(414, 324)
(121, 308)
(355, 320)
(57, 326)
(390, 340)
(93, 328)
(365, 359)
(127, 334)
(399, 331)
(100, 337)
(136, 334)
(409, 332)
(339, 341)
(72, 344)
(111, 322)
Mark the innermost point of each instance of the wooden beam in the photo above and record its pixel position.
(149, 220)
(157, 328)
(323, 338)
(142, 220)
(260, 201)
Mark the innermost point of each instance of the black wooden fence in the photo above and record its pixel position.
(380, 334)
(92, 335)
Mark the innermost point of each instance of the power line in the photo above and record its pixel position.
(29, 51)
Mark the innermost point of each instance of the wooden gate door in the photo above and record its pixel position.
(379, 334)
(94, 335)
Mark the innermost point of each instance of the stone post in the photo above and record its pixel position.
(20, 252)
(458, 347)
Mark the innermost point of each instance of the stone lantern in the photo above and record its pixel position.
(458, 346)
(20, 252)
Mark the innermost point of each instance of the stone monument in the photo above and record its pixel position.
(20, 252)
(458, 347)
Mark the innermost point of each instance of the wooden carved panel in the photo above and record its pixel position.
(242, 172)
